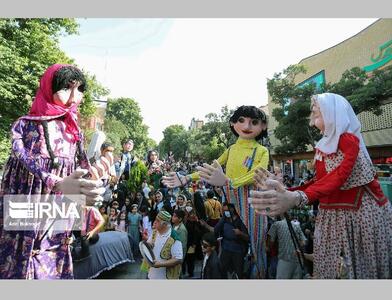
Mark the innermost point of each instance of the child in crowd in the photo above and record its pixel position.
(122, 223)
(146, 222)
(211, 267)
(134, 224)
(102, 210)
(112, 220)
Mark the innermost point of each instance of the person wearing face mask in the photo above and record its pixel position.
(353, 230)
(235, 239)
(47, 149)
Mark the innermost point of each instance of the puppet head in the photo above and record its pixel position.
(249, 122)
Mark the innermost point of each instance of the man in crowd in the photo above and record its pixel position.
(179, 227)
(235, 239)
(167, 249)
(288, 264)
(213, 209)
(127, 160)
(182, 232)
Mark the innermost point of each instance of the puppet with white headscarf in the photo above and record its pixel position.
(354, 226)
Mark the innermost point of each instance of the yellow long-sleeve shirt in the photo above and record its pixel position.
(234, 158)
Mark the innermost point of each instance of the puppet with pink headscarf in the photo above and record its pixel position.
(47, 149)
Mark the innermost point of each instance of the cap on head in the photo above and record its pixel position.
(164, 216)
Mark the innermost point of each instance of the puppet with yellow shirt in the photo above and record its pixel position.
(241, 160)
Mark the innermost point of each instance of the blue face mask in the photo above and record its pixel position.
(227, 214)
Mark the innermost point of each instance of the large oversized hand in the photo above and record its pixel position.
(101, 168)
(213, 174)
(173, 180)
(75, 184)
(261, 176)
(274, 200)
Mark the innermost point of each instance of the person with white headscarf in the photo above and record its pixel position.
(353, 234)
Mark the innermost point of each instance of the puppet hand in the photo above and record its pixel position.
(173, 180)
(274, 201)
(74, 184)
(213, 174)
(93, 200)
(261, 176)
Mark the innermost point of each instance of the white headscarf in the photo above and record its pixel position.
(339, 117)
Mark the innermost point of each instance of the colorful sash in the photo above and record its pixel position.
(256, 224)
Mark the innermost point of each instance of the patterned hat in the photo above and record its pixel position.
(164, 216)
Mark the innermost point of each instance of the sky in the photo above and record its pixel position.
(179, 69)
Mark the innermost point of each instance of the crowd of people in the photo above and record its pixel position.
(208, 228)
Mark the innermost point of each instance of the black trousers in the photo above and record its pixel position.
(189, 264)
(232, 262)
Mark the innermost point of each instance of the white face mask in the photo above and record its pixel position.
(227, 214)
(188, 209)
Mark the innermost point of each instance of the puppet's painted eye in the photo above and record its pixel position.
(255, 122)
(241, 120)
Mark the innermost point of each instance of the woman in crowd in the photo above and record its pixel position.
(155, 168)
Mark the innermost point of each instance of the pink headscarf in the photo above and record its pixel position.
(43, 107)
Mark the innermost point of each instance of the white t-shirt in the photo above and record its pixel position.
(147, 225)
(176, 252)
(146, 190)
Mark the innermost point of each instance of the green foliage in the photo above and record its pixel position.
(115, 132)
(363, 92)
(127, 111)
(175, 139)
(95, 91)
(206, 143)
(27, 48)
(136, 176)
(5, 147)
(218, 126)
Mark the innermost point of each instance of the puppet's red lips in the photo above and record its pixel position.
(247, 132)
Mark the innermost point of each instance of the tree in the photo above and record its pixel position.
(127, 111)
(115, 132)
(27, 48)
(365, 93)
(218, 126)
(175, 139)
(215, 136)
(136, 176)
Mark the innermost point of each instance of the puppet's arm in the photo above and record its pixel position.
(30, 162)
(221, 160)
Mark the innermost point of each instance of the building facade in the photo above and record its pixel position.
(370, 49)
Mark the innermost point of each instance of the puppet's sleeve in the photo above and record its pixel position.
(31, 163)
(248, 177)
(349, 145)
(221, 159)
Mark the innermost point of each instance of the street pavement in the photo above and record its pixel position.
(132, 271)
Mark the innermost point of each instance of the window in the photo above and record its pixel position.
(318, 79)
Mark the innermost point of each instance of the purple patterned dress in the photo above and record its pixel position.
(28, 171)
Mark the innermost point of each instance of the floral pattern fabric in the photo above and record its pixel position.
(28, 171)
